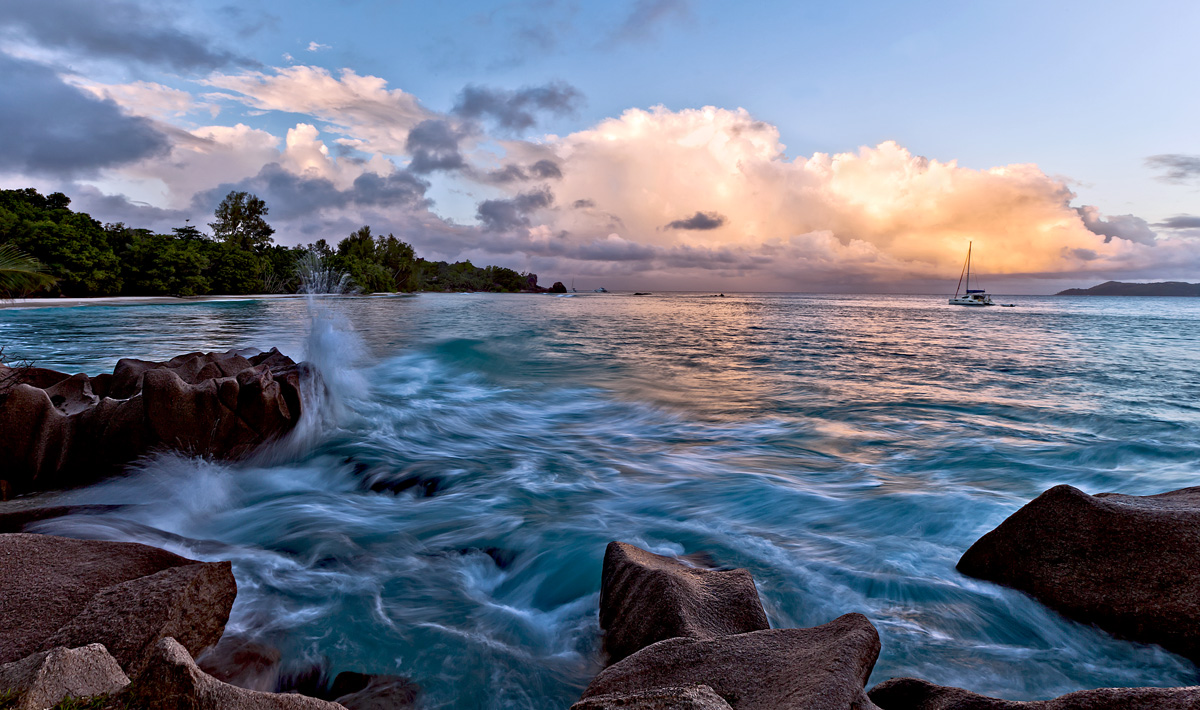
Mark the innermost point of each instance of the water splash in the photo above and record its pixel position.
(318, 276)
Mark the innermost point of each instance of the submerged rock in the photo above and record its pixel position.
(1129, 564)
(645, 598)
(66, 430)
(172, 680)
(57, 591)
(360, 691)
(914, 694)
(819, 668)
(46, 678)
(243, 662)
(695, 697)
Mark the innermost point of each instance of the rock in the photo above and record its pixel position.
(47, 677)
(189, 603)
(914, 694)
(820, 668)
(172, 680)
(645, 598)
(63, 430)
(696, 697)
(47, 581)
(243, 662)
(558, 287)
(14, 516)
(360, 691)
(1129, 564)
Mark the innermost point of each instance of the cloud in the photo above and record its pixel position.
(541, 170)
(700, 220)
(1176, 167)
(517, 110)
(373, 117)
(292, 197)
(1182, 221)
(1125, 226)
(646, 16)
(119, 30)
(145, 98)
(317, 47)
(51, 128)
(506, 215)
(433, 145)
(876, 216)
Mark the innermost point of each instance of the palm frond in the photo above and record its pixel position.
(21, 273)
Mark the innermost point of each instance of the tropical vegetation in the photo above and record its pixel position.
(46, 249)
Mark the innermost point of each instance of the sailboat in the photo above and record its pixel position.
(972, 297)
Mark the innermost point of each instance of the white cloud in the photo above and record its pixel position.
(317, 47)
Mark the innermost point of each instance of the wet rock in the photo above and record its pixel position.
(243, 662)
(172, 680)
(190, 603)
(914, 694)
(360, 691)
(696, 697)
(1129, 564)
(45, 678)
(63, 430)
(14, 516)
(819, 668)
(46, 581)
(645, 598)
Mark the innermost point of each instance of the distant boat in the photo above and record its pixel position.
(972, 297)
(600, 290)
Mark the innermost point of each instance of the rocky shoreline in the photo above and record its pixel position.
(129, 626)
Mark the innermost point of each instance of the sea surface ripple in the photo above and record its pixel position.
(445, 516)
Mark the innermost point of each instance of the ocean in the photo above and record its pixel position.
(442, 514)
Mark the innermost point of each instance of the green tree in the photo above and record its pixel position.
(241, 221)
(21, 273)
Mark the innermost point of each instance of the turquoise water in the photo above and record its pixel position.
(445, 517)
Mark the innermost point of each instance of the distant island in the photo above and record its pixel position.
(1117, 288)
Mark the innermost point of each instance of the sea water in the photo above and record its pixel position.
(443, 513)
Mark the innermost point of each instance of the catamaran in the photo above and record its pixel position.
(972, 297)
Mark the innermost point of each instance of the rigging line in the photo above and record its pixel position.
(960, 274)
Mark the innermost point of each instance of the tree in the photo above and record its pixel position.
(21, 273)
(241, 221)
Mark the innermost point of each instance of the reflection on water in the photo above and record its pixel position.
(449, 522)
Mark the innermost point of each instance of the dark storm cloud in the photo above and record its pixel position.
(583, 204)
(433, 145)
(1175, 167)
(647, 15)
(505, 215)
(51, 128)
(517, 110)
(289, 196)
(698, 221)
(114, 29)
(541, 170)
(1125, 226)
(1181, 221)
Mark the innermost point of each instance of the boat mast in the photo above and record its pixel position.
(960, 274)
(969, 266)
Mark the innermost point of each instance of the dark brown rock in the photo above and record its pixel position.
(914, 694)
(645, 598)
(190, 603)
(361, 691)
(243, 662)
(173, 681)
(1129, 564)
(63, 430)
(820, 668)
(696, 697)
(47, 581)
(44, 679)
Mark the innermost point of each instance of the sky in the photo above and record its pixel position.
(637, 144)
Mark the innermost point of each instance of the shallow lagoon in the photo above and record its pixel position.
(846, 449)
